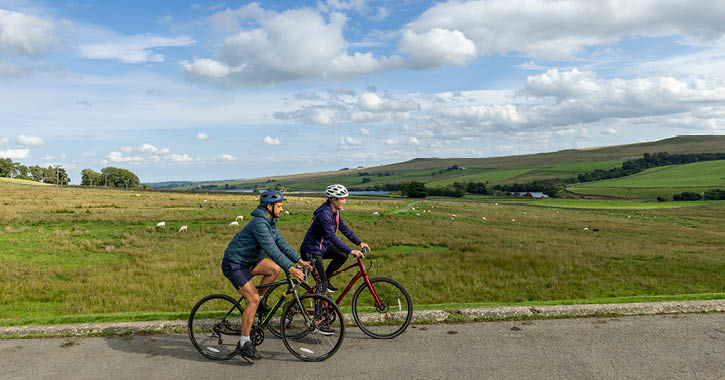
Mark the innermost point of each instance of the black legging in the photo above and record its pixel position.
(338, 259)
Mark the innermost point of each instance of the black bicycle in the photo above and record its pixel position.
(314, 330)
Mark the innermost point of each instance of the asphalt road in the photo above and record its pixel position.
(690, 346)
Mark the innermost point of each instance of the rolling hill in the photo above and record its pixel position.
(494, 170)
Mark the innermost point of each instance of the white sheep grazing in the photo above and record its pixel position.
(586, 228)
(286, 212)
(161, 224)
(513, 220)
(182, 229)
(240, 217)
(484, 218)
(376, 213)
(234, 224)
(454, 215)
(416, 214)
(413, 208)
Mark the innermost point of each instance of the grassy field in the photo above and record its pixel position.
(69, 252)
(662, 181)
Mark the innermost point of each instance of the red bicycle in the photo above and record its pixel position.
(381, 306)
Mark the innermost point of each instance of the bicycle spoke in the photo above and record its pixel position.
(213, 330)
(386, 315)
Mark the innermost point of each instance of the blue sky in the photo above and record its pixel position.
(196, 90)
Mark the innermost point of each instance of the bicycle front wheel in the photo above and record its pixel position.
(316, 337)
(271, 297)
(386, 319)
(215, 326)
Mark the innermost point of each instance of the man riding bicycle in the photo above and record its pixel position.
(244, 258)
(321, 239)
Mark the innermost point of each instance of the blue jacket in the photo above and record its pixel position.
(322, 232)
(260, 235)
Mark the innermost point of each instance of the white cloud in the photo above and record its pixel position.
(126, 149)
(413, 141)
(226, 157)
(25, 35)
(437, 47)
(92, 153)
(365, 131)
(119, 157)
(202, 136)
(535, 28)
(367, 108)
(391, 142)
(30, 140)
(148, 148)
(271, 141)
(350, 141)
(14, 153)
(4, 140)
(290, 45)
(179, 158)
(132, 49)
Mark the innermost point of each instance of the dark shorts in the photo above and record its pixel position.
(236, 273)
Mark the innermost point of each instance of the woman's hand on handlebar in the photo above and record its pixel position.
(357, 254)
(297, 274)
(364, 246)
(304, 264)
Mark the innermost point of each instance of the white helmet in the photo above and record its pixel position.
(336, 191)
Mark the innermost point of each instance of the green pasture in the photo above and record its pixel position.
(69, 253)
(700, 174)
(615, 204)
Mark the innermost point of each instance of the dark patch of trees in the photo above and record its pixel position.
(379, 174)
(110, 177)
(714, 194)
(414, 189)
(687, 196)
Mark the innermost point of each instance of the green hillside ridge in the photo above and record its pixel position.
(661, 181)
(494, 170)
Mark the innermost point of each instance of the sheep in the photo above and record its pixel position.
(240, 217)
(416, 214)
(161, 224)
(376, 213)
(513, 220)
(484, 218)
(234, 224)
(453, 215)
(412, 208)
(183, 229)
(586, 228)
(286, 212)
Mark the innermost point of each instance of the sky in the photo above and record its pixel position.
(206, 90)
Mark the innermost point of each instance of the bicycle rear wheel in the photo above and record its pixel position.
(270, 298)
(312, 342)
(389, 318)
(215, 325)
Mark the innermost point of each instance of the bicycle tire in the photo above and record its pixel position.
(274, 323)
(312, 345)
(382, 323)
(213, 331)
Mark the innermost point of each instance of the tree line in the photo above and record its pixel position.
(54, 175)
(110, 177)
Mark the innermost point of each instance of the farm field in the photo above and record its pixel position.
(660, 181)
(72, 252)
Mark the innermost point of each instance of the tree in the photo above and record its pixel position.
(117, 177)
(91, 178)
(6, 167)
(414, 190)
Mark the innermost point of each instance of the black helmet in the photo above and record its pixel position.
(270, 196)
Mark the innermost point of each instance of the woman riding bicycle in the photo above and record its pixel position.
(244, 258)
(321, 241)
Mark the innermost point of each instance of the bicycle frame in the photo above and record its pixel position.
(290, 290)
(362, 272)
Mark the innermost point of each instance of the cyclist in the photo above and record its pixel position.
(244, 258)
(322, 242)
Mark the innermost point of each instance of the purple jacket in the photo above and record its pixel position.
(322, 232)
